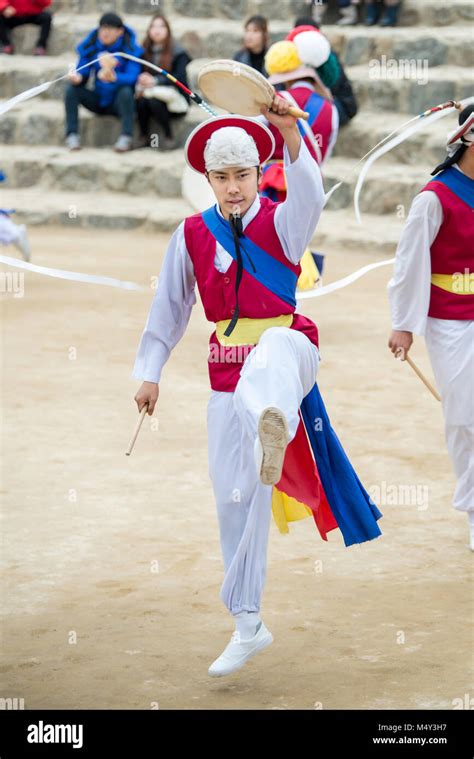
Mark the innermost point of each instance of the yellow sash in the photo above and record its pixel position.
(249, 331)
(459, 284)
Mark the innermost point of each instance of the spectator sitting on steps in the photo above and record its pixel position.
(157, 97)
(384, 12)
(255, 44)
(350, 14)
(15, 13)
(114, 80)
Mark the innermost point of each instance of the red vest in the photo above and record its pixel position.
(451, 252)
(322, 126)
(217, 291)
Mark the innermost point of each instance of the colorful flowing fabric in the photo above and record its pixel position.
(317, 479)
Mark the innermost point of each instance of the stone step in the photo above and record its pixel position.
(41, 122)
(454, 47)
(75, 209)
(389, 188)
(141, 172)
(378, 234)
(415, 90)
(102, 210)
(427, 12)
(442, 83)
(153, 173)
(220, 38)
(438, 46)
(378, 90)
(368, 128)
(223, 9)
(210, 37)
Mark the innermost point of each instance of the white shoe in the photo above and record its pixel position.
(123, 144)
(238, 651)
(348, 16)
(270, 445)
(73, 141)
(22, 243)
(318, 13)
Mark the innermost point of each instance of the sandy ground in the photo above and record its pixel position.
(112, 565)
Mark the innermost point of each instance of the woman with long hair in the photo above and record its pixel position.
(157, 97)
(255, 43)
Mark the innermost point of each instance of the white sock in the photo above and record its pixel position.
(247, 623)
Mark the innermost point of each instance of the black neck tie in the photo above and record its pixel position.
(237, 231)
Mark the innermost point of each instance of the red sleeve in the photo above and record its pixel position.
(3, 4)
(36, 6)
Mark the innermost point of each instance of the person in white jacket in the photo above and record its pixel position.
(432, 294)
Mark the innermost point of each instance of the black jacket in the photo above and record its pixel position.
(257, 62)
(178, 69)
(344, 98)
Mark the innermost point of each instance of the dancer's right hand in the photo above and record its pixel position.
(147, 393)
(400, 339)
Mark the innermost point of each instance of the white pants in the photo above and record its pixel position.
(450, 346)
(9, 231)
(279, 371)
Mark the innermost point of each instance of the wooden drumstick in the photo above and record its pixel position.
(405, 357)
(137, 429)
(298, 113)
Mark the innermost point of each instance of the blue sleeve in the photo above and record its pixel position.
(82, 60)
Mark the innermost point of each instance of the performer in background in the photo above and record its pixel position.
(292, 64)
(432, 294)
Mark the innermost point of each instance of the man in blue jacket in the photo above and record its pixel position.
(113, 89)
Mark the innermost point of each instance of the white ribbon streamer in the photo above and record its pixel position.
(75, 276)
(420, 124)
(124, 285)
(340, 283)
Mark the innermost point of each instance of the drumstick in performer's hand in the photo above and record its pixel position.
(145, 399)
(403, 356)
(400, 342)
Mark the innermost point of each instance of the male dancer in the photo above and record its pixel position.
(244, 254)
(432, 294)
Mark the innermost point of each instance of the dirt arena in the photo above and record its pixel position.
(112, 564)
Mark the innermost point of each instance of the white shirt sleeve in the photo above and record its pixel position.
(410, 287)
(170, 310)
(297, 217)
